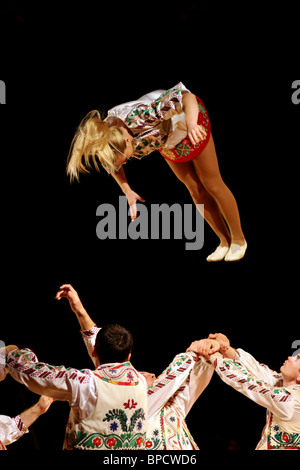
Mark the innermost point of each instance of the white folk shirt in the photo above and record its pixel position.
(80, 388)
(170, 398)
(11, 429)
(263, 386)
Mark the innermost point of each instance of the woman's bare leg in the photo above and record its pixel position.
(207, 168)
(185, 172)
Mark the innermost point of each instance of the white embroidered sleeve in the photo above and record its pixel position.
(194, 385)
(278, 400)
(89, 338)
(257, 369)
(78, 387)
(169, 381)
(11, 429)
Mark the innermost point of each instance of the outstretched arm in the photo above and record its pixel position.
(78, 387)
(11, 429)
(131, 196)
(278, 400)
(257, 369)
(120, 178)
(32, 414)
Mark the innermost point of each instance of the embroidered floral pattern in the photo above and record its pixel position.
(130, 404)
(122, 374)
(279, 438)
(129, 438)
(121, 416)
(98, 441)
(169, 430)
(284, 440)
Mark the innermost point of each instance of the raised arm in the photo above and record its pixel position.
(67, 291)
(89, 330)
(168, 383)
(194, 385)
(278, 400)
(249, 362)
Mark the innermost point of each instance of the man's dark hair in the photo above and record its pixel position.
(113, 343)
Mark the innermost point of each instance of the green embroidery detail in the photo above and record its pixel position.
(183, 148)
(127, 440)
(286, 439)
(121, 416)
(96, 441)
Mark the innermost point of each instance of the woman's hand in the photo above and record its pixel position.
(132, 198)
(196, 133)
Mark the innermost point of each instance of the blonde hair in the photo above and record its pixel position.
(94, 142)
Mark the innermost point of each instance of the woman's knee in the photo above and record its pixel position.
(188, 176)
(195, 188)
(213, 185)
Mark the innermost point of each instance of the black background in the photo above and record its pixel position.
(59, 63)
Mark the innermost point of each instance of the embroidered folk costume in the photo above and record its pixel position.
(262, 385)
(108, 405)
(11, 429)
(157, 121)
(170, 398)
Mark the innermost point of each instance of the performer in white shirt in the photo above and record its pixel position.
(170, 396)
(108, 404)
(279, 393)
(176, 123)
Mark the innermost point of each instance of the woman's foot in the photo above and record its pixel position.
(218, 254)
(236, 252)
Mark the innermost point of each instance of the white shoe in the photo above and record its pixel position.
(236, 252)
(218, 254)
